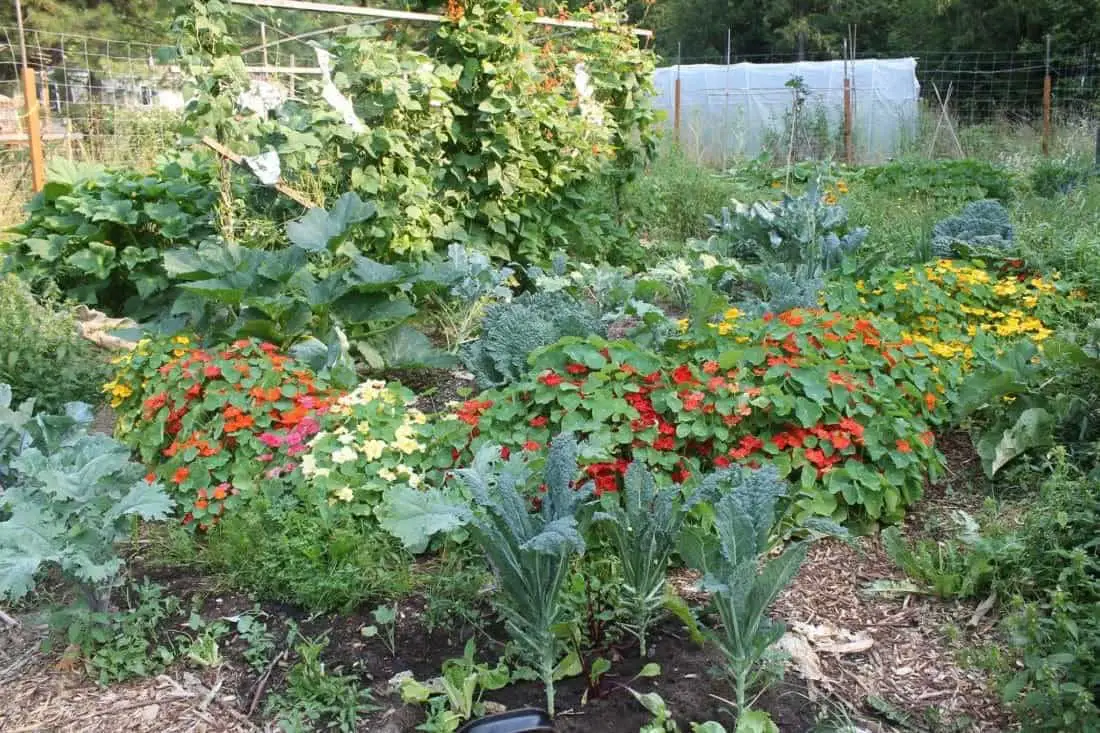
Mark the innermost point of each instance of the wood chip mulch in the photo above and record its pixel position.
(39, 694)
(912, 664)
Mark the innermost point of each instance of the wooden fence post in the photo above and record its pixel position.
(34, 131)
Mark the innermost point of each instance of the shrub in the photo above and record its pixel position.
(842, 406)
(510, 332)
(43, 355)
(1049, 178)
(216, 423)
(98, 235)
(981, 226)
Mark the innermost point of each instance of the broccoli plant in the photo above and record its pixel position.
(981, 227)
(511, 331)
(801, 235)
(529, 552)
(742, 583)
(67, 503)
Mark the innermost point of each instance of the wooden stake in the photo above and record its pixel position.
(30, 100)
(1046, 104)
(849, 156)
(401, 14)
(281, 187)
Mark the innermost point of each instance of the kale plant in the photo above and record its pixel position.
(743, 584)
(981, 227)
(69, 501)
(644, 527)
(512, 331)
(529, 553)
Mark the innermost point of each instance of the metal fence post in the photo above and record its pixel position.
(1046, 103)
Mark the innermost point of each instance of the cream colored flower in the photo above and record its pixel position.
(344, 454)
(372, 449)
(344, 493)
(309, 465)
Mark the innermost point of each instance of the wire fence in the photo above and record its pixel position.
(977, 104)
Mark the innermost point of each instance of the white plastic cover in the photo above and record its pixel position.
(265, 166)
(334, 96)
(727, 112)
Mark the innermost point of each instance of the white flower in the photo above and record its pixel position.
(416, 417)
(346, 439)
(414, 480)
(404, 432)
(372, 449)
(322, 473)
(387, 475)
(344, 454)
(344, 493)
(309, 465)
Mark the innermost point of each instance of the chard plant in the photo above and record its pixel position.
(529, 552)
(744, 586)
(68, 503)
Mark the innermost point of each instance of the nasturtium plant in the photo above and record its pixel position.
(368, 438)
(217, 424)
(844, 408)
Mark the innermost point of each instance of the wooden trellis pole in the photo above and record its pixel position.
(30, 100)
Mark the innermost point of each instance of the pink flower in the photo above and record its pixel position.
(271, 440)
(294, 439)
(266, 456)
(307, 402)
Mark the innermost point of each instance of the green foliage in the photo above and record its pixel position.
(981, 227)
(458, 143)
(744, 586)
(529, 553)
(1051, 178)
(1053, 625)
(802, 235)
(315, 696)
(99, 235)
(384, 627)
(259, 642)
(644, 527)
(293, 556)
(511, 332)
(960, 567)
(462, 683)
(115, 646)
(942, 180)
(68, 506)
(44, 356)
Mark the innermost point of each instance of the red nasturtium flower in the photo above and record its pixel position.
(538, 422)
(927, 438)
(531, 446)
(903, 446)
(550, 379)
(576, 368)
(181, 474)
(682, 375)
(665, 442)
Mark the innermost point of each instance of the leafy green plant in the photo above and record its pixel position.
(1054, 582)
(802, 235)
(384, 627)
(259, 642)
(314, 695)
(981, 227)
(44, 356)
(68, 506)
(529, 553)
(953, 180)
(115, 646)
(460, 142)
(98, 235)
(743, 585)
(960, 567)
(462, 683)
(644, 526)
(510, 332)
(1050, 178)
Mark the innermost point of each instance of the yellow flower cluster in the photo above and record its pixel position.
(728, 323)
(118, 391)
(948, 304)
